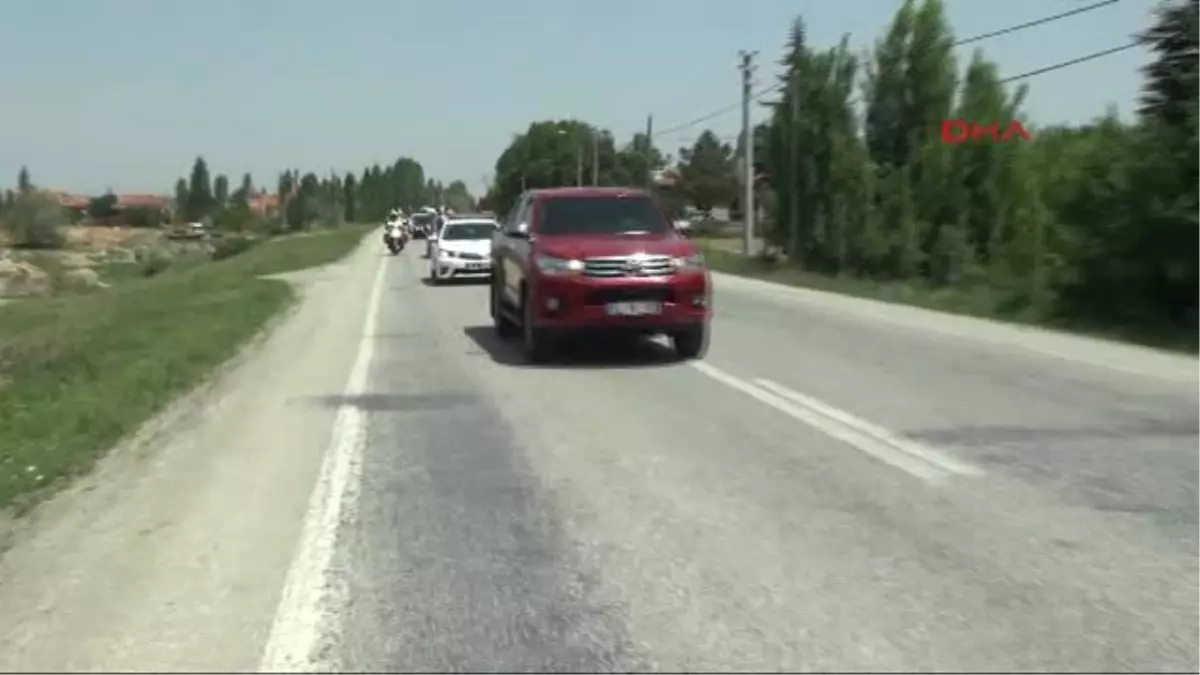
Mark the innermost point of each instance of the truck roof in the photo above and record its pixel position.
(590, 191)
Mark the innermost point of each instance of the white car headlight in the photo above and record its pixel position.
(691, 262)
(556, 266)
(447, 254)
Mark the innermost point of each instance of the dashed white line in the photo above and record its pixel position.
(908, 456)
(299, 620)
(934, 457)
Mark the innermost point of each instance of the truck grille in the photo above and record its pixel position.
(629, 266)
(603, 296)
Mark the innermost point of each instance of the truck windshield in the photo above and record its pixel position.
(468, 231)
(601, 216)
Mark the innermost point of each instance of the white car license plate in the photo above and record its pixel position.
(477, 266)
(643, 308)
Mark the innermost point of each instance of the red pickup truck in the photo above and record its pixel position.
(584, 260)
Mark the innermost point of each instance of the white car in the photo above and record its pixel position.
(463, 249)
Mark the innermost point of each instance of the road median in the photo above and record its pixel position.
(79, 372)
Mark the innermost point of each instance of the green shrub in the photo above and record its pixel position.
(227, 247)
(33, 221)
(145, 216)
(152, 261)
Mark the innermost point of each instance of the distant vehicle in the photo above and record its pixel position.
(462, 249)
(588, 260)
(194, 230)
(421, 224)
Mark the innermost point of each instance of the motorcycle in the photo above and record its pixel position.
(395, 241)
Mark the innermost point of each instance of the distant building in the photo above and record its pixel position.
(71, 202)
(79, 204)
(133, 201)
(665, 177)
(262, 204)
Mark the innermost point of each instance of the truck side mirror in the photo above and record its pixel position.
(519, 231)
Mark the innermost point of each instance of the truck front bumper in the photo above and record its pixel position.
(650, 304)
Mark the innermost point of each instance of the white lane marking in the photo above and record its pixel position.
(886, 451)
(298, 623)
(881, 434)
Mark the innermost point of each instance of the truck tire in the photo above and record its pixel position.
(691, 343)
(505, 328)
(534, 341)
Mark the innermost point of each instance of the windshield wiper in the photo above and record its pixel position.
(633, 233)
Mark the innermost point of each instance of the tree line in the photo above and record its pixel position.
(1091, 224)
(304, 201)
(308, 200)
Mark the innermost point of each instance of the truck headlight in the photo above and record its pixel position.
(691, 262)
(557, 266)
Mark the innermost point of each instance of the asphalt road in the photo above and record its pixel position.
(839, 486)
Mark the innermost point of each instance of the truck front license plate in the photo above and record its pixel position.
(644, 308)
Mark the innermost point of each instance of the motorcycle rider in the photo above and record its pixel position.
(393, 230)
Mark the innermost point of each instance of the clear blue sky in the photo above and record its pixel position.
(123, 94)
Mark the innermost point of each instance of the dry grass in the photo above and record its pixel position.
(99, 238)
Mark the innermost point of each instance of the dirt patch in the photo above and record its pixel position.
(104, 238)
(20, 279)
(94, 257)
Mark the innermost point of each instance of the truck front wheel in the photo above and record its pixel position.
(691, 343)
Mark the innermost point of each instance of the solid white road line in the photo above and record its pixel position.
(912, 458)
(298, 625)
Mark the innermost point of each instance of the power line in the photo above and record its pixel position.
(958, 43)
(1038, 71)
(1037, 22)
(1005, 31)
(1064, 64)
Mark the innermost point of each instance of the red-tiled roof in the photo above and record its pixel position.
(149, 201)
(69, 200)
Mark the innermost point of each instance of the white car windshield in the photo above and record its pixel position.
(468, 231)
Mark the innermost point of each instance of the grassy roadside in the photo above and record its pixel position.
(78, 372)
(725, 256)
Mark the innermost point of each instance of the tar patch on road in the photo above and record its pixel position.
(1003, 435)
(400, 402)
(457, 560)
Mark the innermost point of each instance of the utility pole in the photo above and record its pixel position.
(749, 211)
(578, 165)
(595, 158)
(646, 150)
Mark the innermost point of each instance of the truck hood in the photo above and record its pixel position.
(479, 246)
(579, 247)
